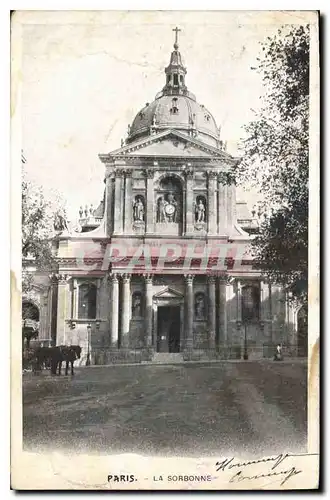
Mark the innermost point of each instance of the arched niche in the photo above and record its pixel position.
(169, 200)
(200, 209)
(200, 306)
(139, 208)
(137, 305)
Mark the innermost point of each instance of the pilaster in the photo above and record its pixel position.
(114, 310)
(63, 308)
(189, 341)
(148, 308)
(125, 311)
(222, 312)
(128, 202)
(222, 207)
(189, 201)
(119, 191)
(212, 209)
(211, 311)
(238, 301)
(149, 174)
(109, 203)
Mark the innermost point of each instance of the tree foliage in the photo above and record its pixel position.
(37, 231)
(275, 159)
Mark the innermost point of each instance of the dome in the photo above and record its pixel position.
(175, 107)
(180, 112)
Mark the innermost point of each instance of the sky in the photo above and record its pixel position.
(85, 75)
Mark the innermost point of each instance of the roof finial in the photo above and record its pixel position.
(176, 46)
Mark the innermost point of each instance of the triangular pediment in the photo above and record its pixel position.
(170, 143)
(168, 293)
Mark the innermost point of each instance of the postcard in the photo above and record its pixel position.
(165, 250)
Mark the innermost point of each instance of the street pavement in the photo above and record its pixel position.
(183, 410)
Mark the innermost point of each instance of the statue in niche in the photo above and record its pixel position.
(200, 211)
(170, 208)
(200, 306)
(136, 305)
(138, 210)
(161, 209)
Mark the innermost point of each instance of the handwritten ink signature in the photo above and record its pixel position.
(228, 463)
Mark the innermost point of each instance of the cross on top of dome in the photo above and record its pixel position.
(175, 71)
(177, 30)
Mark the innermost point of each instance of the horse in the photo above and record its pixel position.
(64, 353)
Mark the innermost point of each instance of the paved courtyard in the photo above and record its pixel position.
(184, 409)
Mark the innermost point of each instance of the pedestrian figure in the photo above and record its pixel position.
(278, 354)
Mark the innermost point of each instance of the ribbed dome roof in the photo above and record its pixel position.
(179, 112)
(175, 107)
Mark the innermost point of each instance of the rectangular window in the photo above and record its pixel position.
(87, 301)
(175, 80)
(250, 303)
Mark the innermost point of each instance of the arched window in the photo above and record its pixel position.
(137, 305)
(251, 302)
(87, 301)
(174, 109)
(200, 306)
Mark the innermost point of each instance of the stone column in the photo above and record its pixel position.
(98, 298)
(189, 201)
(43, 316)
(212, 208)
(75, 299)
(265, 311)
(222, 311)
(189, 319)
(239, 320)
(148, 309)
(150, 200)
(63, 308)
(211, 311)
(128, 202)
(125, 311)
(222, 206)
(114, 311)
(292, 324)
(109, 202)
(53, 308)
(231, 206)
(279, 305)
(265, 301)
(118, 215)
(239, 300)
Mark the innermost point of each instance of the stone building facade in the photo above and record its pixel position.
(163, 265)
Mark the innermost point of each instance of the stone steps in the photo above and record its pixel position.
(167, 357)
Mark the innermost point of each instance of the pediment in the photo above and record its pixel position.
(170, 143)
(168, 293)
(171, 147)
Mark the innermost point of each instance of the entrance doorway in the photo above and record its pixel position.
(168, 329)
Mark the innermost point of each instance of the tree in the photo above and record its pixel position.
(37, 232)
(41, 219)
(275, 160)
